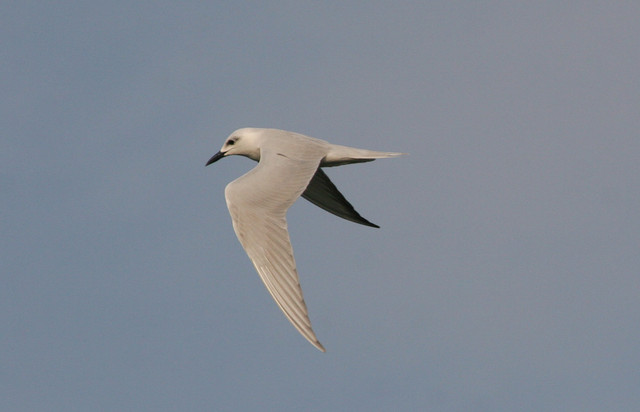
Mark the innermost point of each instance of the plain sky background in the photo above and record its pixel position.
(505, 275)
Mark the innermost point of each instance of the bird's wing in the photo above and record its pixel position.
(323, 193)
(258, 202)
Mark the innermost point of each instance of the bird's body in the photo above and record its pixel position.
(289, 167)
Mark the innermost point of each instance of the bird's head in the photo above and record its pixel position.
(244, 142)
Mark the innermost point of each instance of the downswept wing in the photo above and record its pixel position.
(324, 194)
(258, 202)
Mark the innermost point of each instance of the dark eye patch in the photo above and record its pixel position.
(231, 142)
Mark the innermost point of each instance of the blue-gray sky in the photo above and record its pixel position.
(505, 275)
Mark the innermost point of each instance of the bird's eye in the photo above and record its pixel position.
(231, 142)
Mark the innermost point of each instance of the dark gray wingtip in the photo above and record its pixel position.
(323, 193)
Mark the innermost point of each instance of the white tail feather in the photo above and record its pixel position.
(341, 155)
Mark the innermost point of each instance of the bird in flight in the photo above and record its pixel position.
(289, 166)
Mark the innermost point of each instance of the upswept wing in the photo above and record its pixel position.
(323, 193)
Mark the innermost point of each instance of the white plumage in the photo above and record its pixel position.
(289, 167)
